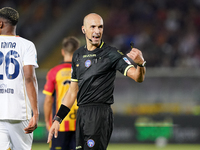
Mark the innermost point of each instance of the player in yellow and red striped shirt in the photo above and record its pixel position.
(58, 80)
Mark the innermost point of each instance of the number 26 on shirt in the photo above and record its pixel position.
(12, 66)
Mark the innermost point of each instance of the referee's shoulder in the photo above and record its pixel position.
(113, 52)
(111, 49)
(79, 50)
(107, 46)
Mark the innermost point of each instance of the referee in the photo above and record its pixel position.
(94, 70)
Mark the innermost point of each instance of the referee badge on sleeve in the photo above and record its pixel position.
(126, 60)
(71, 70)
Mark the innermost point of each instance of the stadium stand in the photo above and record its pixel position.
(166, 31)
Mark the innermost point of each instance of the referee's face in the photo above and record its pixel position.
(94, 29)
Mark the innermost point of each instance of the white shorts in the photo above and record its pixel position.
(12, 135)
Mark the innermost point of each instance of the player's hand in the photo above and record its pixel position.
(136, 56)
(53, 130)
(32, 124)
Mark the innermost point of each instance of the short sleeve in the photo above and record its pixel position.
(49, 87)
(122, 64)
(30, 57)
(73, 69)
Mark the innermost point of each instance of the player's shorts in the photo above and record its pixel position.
(12, 135)
(64, 141)
(94, 127)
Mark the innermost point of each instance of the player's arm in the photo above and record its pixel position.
(48, 102)
(138, 74)
(31, 88)
(67, 103)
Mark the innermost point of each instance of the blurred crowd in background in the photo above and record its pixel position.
(37, 15)
(167, 31)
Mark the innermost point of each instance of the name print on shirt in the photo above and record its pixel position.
(8, 44)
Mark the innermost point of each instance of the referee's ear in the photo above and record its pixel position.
(83, 30)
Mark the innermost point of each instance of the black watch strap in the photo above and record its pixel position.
(57, 119)
(143, 64)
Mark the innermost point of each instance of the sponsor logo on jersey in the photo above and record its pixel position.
(8, 90)
(90, 143)
(87, 63)
(89, 55)
(127, 61)
(3, 86)
(4, 89)
(65, 73)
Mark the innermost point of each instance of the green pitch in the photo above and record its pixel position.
(44, 146)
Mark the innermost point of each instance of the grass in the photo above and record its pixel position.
(152, 147)
(44, 146)
(40, 146)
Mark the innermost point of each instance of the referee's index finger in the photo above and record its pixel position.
(56, 134)
(50, 136)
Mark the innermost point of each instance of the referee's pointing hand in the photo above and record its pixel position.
(53, 130)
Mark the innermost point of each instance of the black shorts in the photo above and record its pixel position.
(94, 127)
(64, 141)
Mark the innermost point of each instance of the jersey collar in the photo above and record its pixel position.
(100, 45)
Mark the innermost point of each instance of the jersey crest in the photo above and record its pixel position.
(88, 63)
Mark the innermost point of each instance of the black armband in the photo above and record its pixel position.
(62, 113)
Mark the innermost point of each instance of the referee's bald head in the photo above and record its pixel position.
(10, 14)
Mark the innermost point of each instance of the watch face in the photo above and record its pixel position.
(144, 64)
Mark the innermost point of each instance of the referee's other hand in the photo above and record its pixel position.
(53, 130)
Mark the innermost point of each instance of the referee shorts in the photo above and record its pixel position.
(64, 141)
(94, 127)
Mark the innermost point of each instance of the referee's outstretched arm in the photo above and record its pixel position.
(137, 74)
(67, 103)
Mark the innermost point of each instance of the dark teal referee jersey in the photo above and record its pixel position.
(95, 73)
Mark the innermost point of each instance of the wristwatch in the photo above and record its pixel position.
(57, 119)
(143, 64)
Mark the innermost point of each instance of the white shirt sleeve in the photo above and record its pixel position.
(30, 57)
